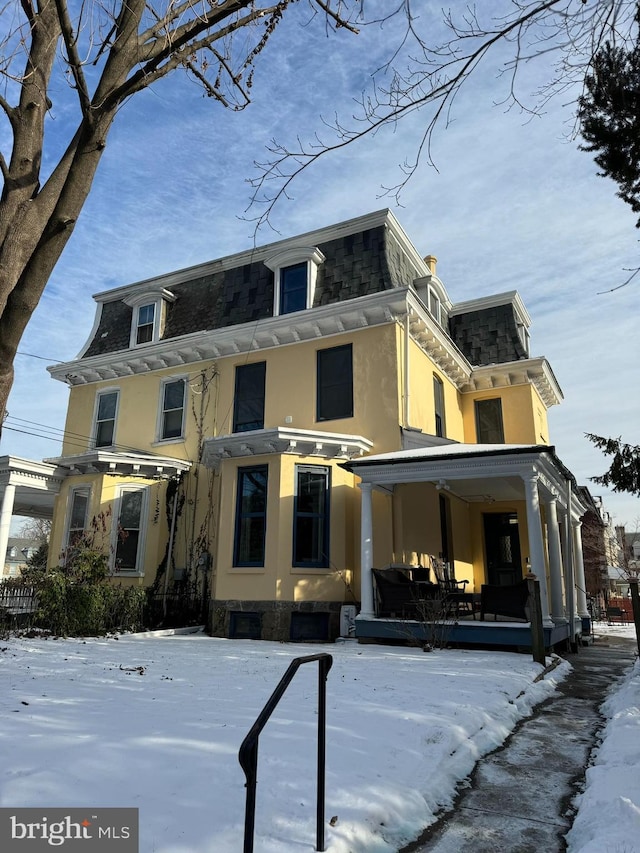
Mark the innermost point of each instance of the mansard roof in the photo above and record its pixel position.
(367, 255)
(368, 273)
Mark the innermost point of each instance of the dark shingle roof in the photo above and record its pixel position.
(355, 265)
(488, 336)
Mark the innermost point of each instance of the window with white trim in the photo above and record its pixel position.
(295, 273)
(434, 306)
(131, 512)
(172, 405)
(145, 322)
(78, 511)
(148, 315)
(105, 420)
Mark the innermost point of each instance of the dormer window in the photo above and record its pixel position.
(295, 273)
(523, 334)
(145, 324)
(293, 288)
(434, 306)
(434, 297)
(148, 315)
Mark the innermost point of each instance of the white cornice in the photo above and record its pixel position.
(436, 343)
(130, 464)
(300, 442)
(375, 309)
(529, 371)
(29, 472)
(324, 321)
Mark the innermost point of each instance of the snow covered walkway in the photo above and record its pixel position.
(521, 796)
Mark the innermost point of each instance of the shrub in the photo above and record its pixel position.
(78, 598)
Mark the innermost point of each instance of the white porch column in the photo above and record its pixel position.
(6, 512)
(555, 562)
(536, 543)
(581, 584)
(367, 610)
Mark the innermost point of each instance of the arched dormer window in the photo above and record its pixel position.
(295, 273)
(148, 316)
(434, 298)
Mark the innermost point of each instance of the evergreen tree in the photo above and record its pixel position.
(624, 472)
(609, 115)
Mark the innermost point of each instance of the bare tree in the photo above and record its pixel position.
(36, 529)
(106, 52)
(427, 73)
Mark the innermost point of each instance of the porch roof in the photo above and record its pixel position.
(474, 472)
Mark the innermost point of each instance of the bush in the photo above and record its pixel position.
(78, 599)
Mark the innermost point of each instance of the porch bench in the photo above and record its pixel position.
(616, 614)
(508, 601)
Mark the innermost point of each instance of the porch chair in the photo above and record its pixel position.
(452, 589)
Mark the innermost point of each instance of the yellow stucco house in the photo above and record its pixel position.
(267, 428)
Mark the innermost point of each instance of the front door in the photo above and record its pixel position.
(502, 548)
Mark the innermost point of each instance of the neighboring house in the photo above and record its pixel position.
(18, 552)
(284, 419)
(596, 545)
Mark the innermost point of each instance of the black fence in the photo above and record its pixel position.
(18, 604)
(174, 610)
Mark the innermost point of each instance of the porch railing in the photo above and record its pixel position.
(248, 754)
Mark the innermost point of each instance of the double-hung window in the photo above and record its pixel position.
(248, 401)
(146, 315)
(489, 423)
(172, 411)
(334, 383)
(131, 514)
(105, 426)
(438, 403)
(78, 509)
(251, 516)
(311, 517)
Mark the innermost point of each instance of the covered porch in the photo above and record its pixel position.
(492, 513)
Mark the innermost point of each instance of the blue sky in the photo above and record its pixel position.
(513, 204)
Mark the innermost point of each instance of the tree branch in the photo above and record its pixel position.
(73, 59)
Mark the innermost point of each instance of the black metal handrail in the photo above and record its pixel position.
(248, 753)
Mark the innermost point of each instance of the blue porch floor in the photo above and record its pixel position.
(464, 631)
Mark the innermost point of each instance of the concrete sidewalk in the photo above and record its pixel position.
(518, 798)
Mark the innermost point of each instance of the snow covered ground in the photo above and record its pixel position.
(608, 819)
(155, 722)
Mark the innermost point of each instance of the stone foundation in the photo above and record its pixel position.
(284, 621)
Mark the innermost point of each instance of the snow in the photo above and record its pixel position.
(608, 819)
(155, 722)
